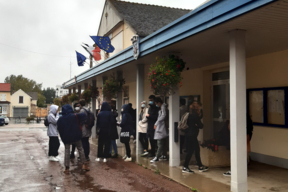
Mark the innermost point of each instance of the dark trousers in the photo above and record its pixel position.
(128, 150)
(182, 142)
(54, 145)
(86, 146)
(73, 150)
(153, 144)
(192, 145)
(143, 140)
(103, 147)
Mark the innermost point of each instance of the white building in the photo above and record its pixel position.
(60, 92)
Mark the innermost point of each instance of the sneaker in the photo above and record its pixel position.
(104, 160)
(97, 159)
(144, 154)
(124, 157)
(154, 160)
(163, 158)
(128, 159)
(228, 174)
(53, 159)
(203, 168)
(187, 170)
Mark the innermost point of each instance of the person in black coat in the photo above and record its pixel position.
(191, 133)
(105, 122)
(152, 117)
(126, 130)
(114, 132)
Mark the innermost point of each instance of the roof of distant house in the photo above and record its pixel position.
(145, 19)
(5, 87)
(34, 95)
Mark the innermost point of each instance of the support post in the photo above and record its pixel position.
(79, 91)
(119, 102)
(238, 111)
(139, 98)
(74, 89)
(174, 148)
(94, 109)
(70, 91)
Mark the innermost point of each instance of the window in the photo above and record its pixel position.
(267, 106)
(20, 99)
(3, 97)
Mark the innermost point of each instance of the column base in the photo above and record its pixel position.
(174, 162)
(239, 187)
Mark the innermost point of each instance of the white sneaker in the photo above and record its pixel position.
(97, 159)
(104, 160)
(57, 157)
(124, 157)
(128, 159)
(53, 159)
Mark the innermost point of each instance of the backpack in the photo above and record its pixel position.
(90, 122)
(182, 125)
(46, 122)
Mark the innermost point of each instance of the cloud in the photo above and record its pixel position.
(52, 27)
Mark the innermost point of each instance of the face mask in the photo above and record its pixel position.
(151, 103)
(77, 108)
(157, 106)
(143, 105)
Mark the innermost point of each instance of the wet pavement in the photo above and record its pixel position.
(25, 167)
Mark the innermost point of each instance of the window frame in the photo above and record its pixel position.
(265, 106)
(22, 99)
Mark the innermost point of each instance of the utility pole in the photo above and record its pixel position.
(70, 66)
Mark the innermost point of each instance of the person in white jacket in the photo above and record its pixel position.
(142, 128)
(52, 133)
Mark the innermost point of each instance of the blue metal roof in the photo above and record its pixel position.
(208, 15)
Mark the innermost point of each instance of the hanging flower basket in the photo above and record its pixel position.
(57, 101)
(94, 92)
(73, 97)
(65, 99)
(165, 75)
(86, 95)
(111, 87)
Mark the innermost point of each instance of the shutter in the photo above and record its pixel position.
(20, 112)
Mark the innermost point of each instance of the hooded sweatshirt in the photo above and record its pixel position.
(53, 117)
(69, 126)
(105, 121)
(127, 122)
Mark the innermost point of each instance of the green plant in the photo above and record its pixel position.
(140, 164)
(65, 99)
(28, 119)
(165, 75)
(94, 91)
(86, 95)
(57, 101)
(73, 97)
(112, 86)
(157, 171)
(145, 167)
(193, 189)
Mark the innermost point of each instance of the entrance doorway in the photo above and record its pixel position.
(220, 100)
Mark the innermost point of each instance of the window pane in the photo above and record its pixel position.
(220, 76)
(276, 109)
(219, 101)
(20, 99)
(256, 106)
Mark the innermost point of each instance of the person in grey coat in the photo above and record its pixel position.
(86, 132)
(161, 131)
(52, 133)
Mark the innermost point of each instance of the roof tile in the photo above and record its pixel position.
(5, 87)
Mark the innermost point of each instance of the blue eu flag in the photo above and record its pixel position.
(80, 59)
(103, 43)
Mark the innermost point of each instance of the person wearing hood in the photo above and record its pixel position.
(105, 121)
(86, 132)
(151, 120)
(114, 132)
(126, 130)
(161, 131)
(142, 128)
(76, 110)
(52, 133)
(70, 130)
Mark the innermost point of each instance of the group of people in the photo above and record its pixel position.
(153, 128)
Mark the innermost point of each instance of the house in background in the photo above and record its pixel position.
(60, 92)
(34, 96)
(5, 99)
(20, 104)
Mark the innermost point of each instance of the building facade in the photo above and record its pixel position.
(5, 98)
(236, 59)
(20, 104)
(60, 92)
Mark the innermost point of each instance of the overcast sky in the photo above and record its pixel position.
(55, 28)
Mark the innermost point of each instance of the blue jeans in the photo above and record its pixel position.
(113, 144)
